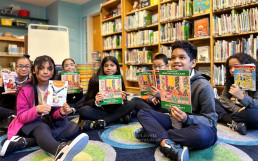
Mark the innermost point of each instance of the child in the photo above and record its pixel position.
(36, 119)
(74, 100)
(8, 99)
(243, 114)
(198, 128)
(160, 62)
(95, 115)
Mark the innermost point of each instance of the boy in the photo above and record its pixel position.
(199, 127)
(160, 62)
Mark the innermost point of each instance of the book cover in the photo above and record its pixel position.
(244, 76)
(201, 27)
(175, 89)
(203, 54)
(57, 92)
(73, 79)
(9, 81)
(201, 6)
(118, 25)
(146, 80)
(111, 87)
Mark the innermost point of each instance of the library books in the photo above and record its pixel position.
(57, 93)
(201, 27)
(73, 79)
(245, 77)
(201, 6)
(138, 56)
(219, 75)
(146, 81)
(9, 81)
(111, 88)
(203, 54)
(175, 89)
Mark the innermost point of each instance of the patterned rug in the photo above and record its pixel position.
(117, 142)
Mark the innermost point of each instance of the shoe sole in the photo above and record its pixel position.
(185, 154)
(76, 146)
(6, 143)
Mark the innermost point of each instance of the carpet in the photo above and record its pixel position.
(117, 142)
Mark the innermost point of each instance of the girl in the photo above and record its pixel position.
(95, 115)
(74, 100)
(8, 99)
(36, 119)
(244, 113)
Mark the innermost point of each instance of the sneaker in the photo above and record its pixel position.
(238, 126)
(15, 144)
(4, 124)
(126, 119)
(73, 111)
(99, 124)
(175, 151)
(66, 151)
(142, 135)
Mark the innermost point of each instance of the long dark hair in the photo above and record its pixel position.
(243, 58)
(93, 86)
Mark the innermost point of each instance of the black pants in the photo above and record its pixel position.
(4, 112)
(112, 114)
(141, 104)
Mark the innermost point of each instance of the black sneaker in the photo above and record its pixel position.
(15, 144)
(175, 151)
(99, 124)
(72, 112)
(142, 135)
(66, 151)
(238, 126)
(126, 119)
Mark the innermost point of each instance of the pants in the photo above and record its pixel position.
(4, 112)
(141, 104)
(92, 113)
(159, 127)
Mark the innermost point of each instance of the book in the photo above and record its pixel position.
(203, 54)
(201, 27)
(73, 79)
(57, 93)
(175, 89)
(118, 25)
(111, 88)
(146, 80)
(144, 3)
(244, 76)
(9, 80)
(201, 6)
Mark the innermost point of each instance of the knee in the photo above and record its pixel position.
(136, 99)
(75, 128)
(84, 111)
(144, 112)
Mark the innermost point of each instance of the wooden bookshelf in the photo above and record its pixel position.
(114, 33)
(111, 18)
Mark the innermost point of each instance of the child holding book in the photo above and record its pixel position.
(8, 99)
(241, 115)
(97, 116)
(36, 120)
(160, 62)
(198, 130)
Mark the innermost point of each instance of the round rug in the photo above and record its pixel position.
(95, 150)
(226, 135)
(220, 151)
(122, 136)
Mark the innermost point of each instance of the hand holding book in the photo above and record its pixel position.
(236, 92)
(99, 97)
(155, 92)
(123, 95)
(43, 109)
(65, 109)
(178, 114)
(155, 101)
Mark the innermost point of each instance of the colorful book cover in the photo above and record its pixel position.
(201, 27)
(9, 81)
(244, 76)
(57, 92)
(73, 79)
(146, 80)
(111, 87)
(201, 6)
(175, 89)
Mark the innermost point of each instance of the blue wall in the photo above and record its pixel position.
(52, 13)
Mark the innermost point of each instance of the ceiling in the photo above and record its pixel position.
(45, 3)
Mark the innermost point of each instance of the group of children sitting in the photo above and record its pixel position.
(175, 131)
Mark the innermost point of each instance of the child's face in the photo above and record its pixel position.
(23, 68)
(110, 68)
(231, 64)
(69, 66)
(181, 61)
(159, 64)
(44, 73)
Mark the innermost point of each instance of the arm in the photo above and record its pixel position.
(226, 102)
(250, 102)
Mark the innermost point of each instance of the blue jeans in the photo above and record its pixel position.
(159, 127)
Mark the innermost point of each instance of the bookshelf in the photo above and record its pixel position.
(131, 26)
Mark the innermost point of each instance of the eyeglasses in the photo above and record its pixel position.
(23, 66)
(159, 66)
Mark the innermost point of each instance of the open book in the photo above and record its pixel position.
(57, 92)
(146, 80)
(175, 89)
(73, 79)
(111, 88)
(245, 76)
